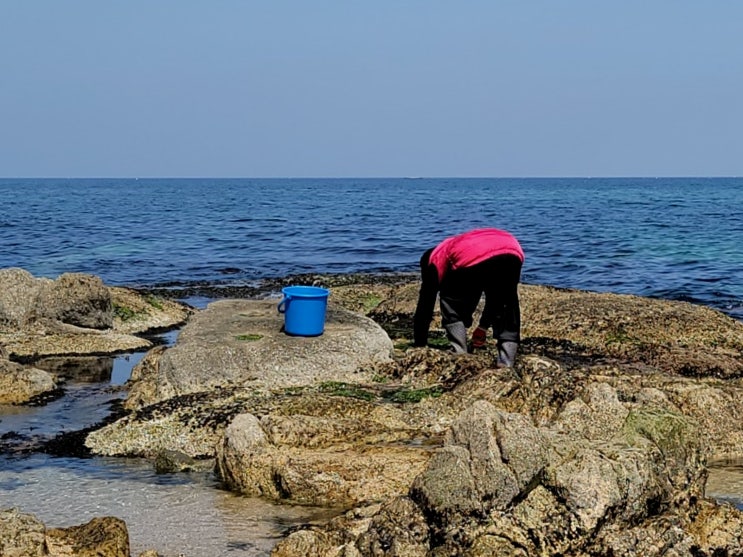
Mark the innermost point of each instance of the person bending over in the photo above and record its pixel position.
(459, 270)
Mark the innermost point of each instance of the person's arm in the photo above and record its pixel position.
(426, 303)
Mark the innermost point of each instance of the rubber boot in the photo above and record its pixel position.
(507, 353)
(457, 334)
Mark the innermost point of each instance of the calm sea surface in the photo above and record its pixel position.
(679, 238)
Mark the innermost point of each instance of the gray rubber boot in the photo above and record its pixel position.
(457, 334)
(507, 353)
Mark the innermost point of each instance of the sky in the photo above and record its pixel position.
(390, 88)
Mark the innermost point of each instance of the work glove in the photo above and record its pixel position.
(507, 353)
(479, 336)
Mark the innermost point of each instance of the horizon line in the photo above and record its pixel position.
(555, 177)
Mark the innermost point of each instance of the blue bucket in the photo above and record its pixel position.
(304, 310)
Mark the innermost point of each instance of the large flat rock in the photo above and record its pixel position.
(242, 343)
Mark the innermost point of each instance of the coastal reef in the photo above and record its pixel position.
(596, 442)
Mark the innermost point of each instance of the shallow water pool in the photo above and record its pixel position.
(175, 514)
(725, 482)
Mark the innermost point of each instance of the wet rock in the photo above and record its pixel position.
(190, 424)
(143, 381)
(575, 326)
(333, 539)
(313, 417)
(595, 442)
(75, 315)
(490, 458)
(716, 529)
(169, 462)
(101, 537)
(307, 543)
(137, 312)
(20, 384)
(716, 406)
(596, 414)
(23, 535)
(670, 336)
(683, 446)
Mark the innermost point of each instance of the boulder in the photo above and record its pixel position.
(488, 459)
(21, 535)
(101, 537)
(18, 292)
(241, 343)
(76, 299)
(718, 408)
(184, 396)
(717, 526)
(398, 529)
(258, 464)
(595, 414)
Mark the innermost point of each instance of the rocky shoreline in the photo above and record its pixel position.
(596, 442)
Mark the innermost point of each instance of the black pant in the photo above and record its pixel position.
(497, 277)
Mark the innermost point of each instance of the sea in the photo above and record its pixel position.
(672, 238)
(669, 238)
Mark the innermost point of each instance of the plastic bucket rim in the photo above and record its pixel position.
(305, 291)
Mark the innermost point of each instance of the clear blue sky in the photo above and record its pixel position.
(386, 88)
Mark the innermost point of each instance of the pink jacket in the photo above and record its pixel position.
(473, 247)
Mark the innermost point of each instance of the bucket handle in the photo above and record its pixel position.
(282, 304)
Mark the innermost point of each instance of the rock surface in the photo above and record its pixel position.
(19, 384)
(23, 535)
(241, 343)
(502, 486)
(595, 443)
(101, 537)
(228, 352)
(76, 299)
(75, 314)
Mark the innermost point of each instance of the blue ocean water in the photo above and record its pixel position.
(675, 238)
